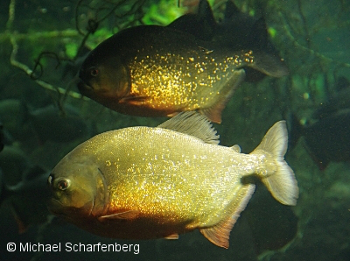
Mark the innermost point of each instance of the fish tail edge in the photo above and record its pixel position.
(277, 176)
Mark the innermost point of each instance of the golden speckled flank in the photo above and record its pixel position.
(171, 80)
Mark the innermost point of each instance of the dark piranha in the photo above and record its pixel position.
(160, 71)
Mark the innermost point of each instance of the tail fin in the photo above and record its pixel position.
(279, 178)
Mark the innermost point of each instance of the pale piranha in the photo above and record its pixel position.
(160, 71)
(143, 182)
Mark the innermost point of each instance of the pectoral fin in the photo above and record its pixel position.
(172, 236)
(129, 214)
(134, 100)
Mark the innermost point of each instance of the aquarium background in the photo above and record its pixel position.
(42, 44)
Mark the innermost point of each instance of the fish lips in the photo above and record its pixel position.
(55, 207)
(84, 87)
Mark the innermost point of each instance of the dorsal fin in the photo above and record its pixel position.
(206, 15)
(194, 124)
(231, 10)
(258, 34)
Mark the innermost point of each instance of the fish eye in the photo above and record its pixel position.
(50, 179)
(94, 71)
(63, 184)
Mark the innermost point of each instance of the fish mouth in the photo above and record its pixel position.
(55, 207)
(84, 87)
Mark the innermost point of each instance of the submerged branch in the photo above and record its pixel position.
(39, 35)
(14, 37)
(29, 72)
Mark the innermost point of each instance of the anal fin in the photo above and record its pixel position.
(220, 233)
(214, 112)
